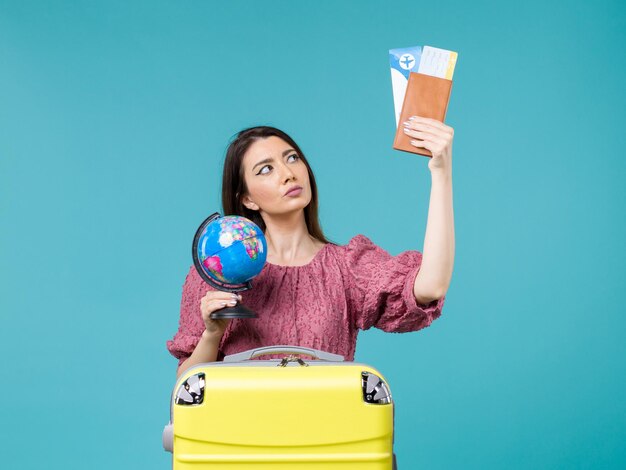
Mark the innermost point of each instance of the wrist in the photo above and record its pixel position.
(211, 338)
(441, 174)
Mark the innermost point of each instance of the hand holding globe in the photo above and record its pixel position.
(228, 252)
(213, 301)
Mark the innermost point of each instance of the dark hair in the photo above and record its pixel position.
(234, 184)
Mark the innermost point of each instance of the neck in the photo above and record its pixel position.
(288, 239)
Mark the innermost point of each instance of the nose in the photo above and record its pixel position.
(287, 174)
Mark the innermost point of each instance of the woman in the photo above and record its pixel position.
(312, 292)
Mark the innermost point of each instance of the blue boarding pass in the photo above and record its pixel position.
(403, 61)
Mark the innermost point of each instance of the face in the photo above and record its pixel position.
(271, 168)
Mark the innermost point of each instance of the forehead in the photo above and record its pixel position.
(268, 147)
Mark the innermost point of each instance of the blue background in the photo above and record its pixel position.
(114, 120)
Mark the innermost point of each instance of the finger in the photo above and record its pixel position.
(427, 128)
(427, 138)
(219, 304)
(219, 295)
(431, 124)
(425, 120)
(421, 134)
(421, 144)
(225, 303)
(435, 148)
(427, 144)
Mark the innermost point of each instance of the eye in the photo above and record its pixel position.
(262, 172)
(267, 168)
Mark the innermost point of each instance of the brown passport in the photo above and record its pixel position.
(425, 96)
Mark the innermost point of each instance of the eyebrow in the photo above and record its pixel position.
(270, 159)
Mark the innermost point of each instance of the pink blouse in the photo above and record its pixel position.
(320, 305)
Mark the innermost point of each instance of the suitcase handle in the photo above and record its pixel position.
(280, 349)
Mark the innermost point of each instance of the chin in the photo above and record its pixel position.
(303, 204)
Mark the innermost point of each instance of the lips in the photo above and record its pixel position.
(293, 191)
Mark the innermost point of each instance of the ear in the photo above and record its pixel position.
(246, 201)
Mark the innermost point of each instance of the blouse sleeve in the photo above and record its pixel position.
(190, 325)
(380, 291)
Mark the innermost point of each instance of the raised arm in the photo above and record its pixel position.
(435, 274)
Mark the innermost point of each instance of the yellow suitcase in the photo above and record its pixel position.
(288, 413)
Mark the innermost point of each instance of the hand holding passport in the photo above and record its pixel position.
(422, 82)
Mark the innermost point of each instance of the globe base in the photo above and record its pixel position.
(238, 311)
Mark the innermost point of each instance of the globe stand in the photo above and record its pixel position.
(238, 311)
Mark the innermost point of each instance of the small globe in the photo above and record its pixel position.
(230, 250)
